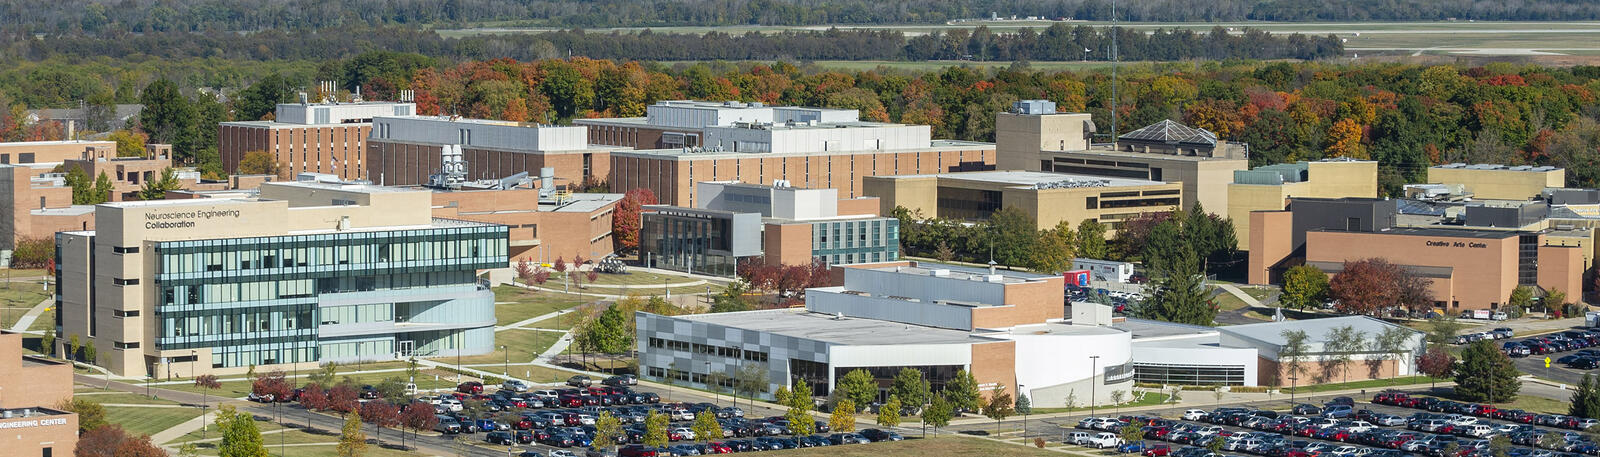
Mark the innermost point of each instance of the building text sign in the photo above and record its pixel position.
(184, 219)
(1456, 244)
(33, 423)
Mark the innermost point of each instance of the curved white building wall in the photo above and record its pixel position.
(1051, 366)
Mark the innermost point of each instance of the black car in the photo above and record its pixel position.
(369, 393)
(877, 435)
(500, 438)
(1586, 363)
(1306, 410)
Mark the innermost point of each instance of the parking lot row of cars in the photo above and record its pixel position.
(1571, 340)
(1452, 431)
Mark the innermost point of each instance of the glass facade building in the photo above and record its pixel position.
(856, 240)
(338, 296)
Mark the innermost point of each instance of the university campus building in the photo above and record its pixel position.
(304, 272)
(681, 143)
(30, 389)
(405, 151)
(786, 225)
(328, 138)
(1050, 198)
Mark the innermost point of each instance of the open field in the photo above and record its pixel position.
(148, 421)
(523, 346)
(1369, 38)
(514, 304)
(17, 298)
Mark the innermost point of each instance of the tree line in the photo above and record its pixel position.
(1407, 117)
(1056, 42)
(105, 17)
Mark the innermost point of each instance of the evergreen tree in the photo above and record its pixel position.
(352, 441)
(102, 188)
(1486, 375)
(1585, 400)
(889, 413)
(1180, 293)
(1023, 404)
(844, 417)
(858, 387)
(962, 392)
(156, 189)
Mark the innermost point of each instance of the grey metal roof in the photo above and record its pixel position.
(1272, 332)
(1168, 131)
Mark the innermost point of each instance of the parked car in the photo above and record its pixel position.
(514, 385)
(877, 435)
(1105, 440)
(470, 387)
(579, 381)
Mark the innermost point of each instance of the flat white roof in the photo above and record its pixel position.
(1029, 178)
(800, 323)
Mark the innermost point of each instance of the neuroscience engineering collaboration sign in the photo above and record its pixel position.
(184, 219)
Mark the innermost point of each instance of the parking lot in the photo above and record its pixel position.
(1369, 430)
(1572, 353)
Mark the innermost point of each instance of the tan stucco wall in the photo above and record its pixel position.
(1271, 241)
(1561, 268)
(1020, 137)
(1323, 180)
(53, 151)
(1482, 276)
(1499, 184)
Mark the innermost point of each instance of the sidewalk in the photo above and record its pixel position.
(32, 315)
(185, 428)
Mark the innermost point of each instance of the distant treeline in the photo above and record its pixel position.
(1058, 42)
(143, 16)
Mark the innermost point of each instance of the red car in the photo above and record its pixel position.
(1300, 453)
(1158, 450)
(1483, 410)
(470, 387)
(718, 448)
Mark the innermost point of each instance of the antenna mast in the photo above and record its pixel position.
(1115, 61)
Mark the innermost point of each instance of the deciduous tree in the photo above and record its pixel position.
(625, 219)
(1366, 286)
(889, 413)
(352, 441)
(843, 418)
(962, 392)
(998, 406)
(258, 163)
(1304, 286)
(858, 386)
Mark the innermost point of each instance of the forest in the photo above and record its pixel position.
(1057, 42)
(111, 17)
(1405, 116)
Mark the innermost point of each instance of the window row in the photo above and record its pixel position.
(697, 348)
(231, 258)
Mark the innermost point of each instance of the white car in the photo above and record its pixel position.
(1344, 451)
(681, 414)
(1359, 426)
(453, 404)
(1079, 438)
(562, 453)
(1194, 414)
(1463, 420)
(1390, 420)
(686, 434)
(547, 396)
(1104, 440)
(1476, 430)
(1208, 430)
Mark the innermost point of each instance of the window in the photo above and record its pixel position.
(120, 313)
(125, 281)
(128, 345)
(124, 250)
(25, 157)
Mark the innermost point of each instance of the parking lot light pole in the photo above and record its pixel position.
(507, 365)
(1094, 365)
(1020, 391)
(1294, 383)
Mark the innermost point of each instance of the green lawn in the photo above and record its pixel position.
(17, 298)
(148, 421)
(1368, 384)
(523, 346)
(515, 304)
(1227, 302)
(1150, 398)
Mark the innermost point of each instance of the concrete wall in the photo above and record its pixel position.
(1324, 180)
(400, 163)
(1271, 243)
(30, 383)
(1050, 366)
(923, 313)
(1020, 137)
(808, 139)
(295, 113)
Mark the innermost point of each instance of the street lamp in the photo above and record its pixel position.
(1094, 365)
(507, 366)
(1020, 391)
(1294, 382)
(714, 398)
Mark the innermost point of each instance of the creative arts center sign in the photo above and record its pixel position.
(1456, 244)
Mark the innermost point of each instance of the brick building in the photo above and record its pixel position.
(326, 138)
(30, 389)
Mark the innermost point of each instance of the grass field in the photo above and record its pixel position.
(1150, 398)
(148, 421)
(236, 389)
(514, 304)
(523, 346)
(17, 298)
(1435, 37)
(1369, 384)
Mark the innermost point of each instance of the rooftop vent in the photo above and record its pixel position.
(942, 273)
